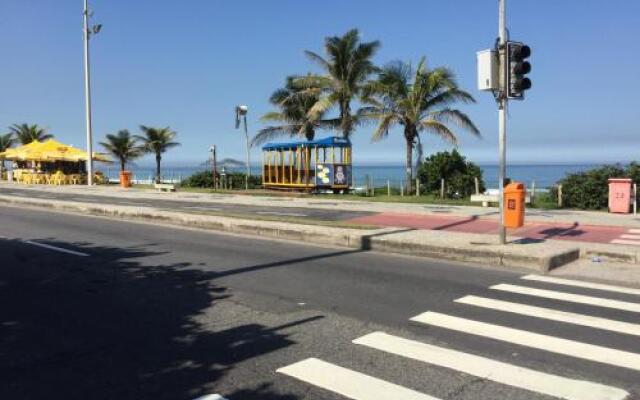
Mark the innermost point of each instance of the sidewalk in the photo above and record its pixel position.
(595, 218)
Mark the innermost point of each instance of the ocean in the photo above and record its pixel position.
(544, 175)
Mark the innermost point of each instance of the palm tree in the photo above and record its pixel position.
(294, 103)
(157, 141)
(123, 146)
(347, 67)
(418, 100)
(7, 140)
(28, 133)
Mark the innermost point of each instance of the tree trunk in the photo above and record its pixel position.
(409, 171)
(409, 134)
(122, 164)
(345, 119)
(158, 159)
(310, 133)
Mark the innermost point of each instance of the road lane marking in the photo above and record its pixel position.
(582, 284)
(574, 298)
(211, 397)
(554, 315)
(283, 214)
(622, 241)
(348, 383)
(58, 249)
(634, 231)
(485, 368)
(203, 208)
(553, 344)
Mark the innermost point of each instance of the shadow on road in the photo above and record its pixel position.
(108, 327)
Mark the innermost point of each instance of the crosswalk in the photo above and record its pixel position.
(356, 385)
(630, 238)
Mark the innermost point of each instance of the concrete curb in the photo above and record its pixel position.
(541, 257)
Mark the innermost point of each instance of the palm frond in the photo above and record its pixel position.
(318, 59)
(382, 131)
(457, 117)
(274, 132)
(274, 116)
(439, 129)
(323, 105)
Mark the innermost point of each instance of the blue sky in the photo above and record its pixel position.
(186, 64)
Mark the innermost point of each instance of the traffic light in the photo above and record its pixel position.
(517, 68)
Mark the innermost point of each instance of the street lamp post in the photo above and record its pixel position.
(87, 32)
(241, 113)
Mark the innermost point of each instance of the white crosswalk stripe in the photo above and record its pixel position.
(570, 297)
(351, 384)
(626, 242)
(355, 385)
(554, 315)
(581, 284)
(631, 237)
(553, 344)
(508, 374)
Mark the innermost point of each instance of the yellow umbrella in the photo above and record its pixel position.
(50, 150)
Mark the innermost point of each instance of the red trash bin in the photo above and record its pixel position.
(620, 197)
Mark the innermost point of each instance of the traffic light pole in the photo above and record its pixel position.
(502, 116)
(87, 95)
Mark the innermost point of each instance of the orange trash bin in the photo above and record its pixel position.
(620, 197)
(514, 199)
(125, 179)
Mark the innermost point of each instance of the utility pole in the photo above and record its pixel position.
(87, 95)
(502, 114)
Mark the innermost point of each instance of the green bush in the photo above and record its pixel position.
(589, 190)
(458, 173)
(235, 180)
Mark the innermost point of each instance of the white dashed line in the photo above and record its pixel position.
(58, 249)
(283, 214)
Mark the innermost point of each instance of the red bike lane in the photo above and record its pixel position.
(487, 225)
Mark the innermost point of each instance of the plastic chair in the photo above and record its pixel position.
(59, 179)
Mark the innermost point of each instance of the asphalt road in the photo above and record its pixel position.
(318, 214)
(98, 309)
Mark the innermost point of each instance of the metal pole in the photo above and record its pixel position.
(635, 199)
(214, 167)
(246, 134)
(502, 117)
(87, 95)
